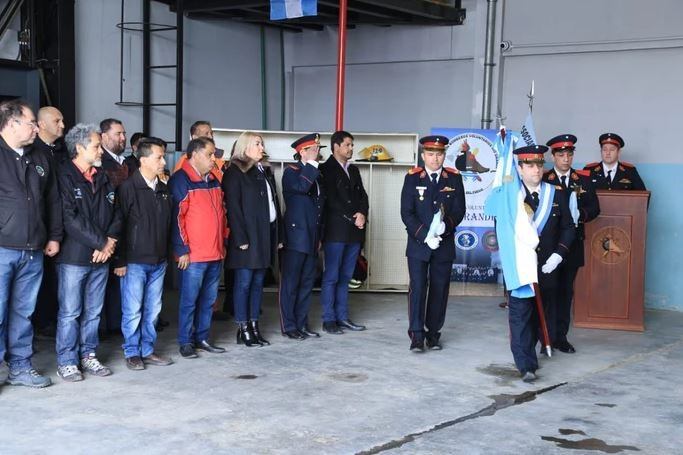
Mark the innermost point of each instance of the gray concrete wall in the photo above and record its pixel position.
(222, 76)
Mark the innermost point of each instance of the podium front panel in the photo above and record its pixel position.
(610, 288)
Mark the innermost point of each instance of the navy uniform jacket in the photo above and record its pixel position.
(304, 202)
(557, 234)
(589, 208)
(625, 178)
(345, 196)
(417, 212)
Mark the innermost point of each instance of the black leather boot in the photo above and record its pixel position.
(257, 333)
(244, 335)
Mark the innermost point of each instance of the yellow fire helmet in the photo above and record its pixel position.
(375, 152)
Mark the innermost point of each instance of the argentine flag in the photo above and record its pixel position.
(516, 233)
(289, 9)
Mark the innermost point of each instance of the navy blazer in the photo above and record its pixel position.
(589, 208)
(304, 202)
(417, 211)
(557, 234)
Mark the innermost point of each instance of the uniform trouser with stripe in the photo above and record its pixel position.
(428, 295)
(565, 296)
(296, 286)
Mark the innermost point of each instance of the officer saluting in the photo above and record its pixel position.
(304, 199)
(431, 247)
(584, 207)
(610, 173)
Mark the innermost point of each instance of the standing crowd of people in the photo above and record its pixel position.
(98, 230)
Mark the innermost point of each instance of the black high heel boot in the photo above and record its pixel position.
(257, 333)
(244, 335)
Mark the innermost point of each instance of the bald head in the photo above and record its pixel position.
(50, 124)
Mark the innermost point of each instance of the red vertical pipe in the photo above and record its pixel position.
(341, 65)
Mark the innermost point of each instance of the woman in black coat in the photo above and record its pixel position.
(255, 229)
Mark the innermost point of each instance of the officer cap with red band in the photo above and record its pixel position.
(434, 143)
(561, 143)
(611, 138)
(531, 154)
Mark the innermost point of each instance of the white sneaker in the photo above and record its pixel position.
(70, 373)
(93, 366)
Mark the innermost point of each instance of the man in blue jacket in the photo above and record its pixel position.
(427, 191)
(304, 199)
(30, 226)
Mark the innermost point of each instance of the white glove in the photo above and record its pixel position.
(433, 242)
(552, 263)
(441, 229)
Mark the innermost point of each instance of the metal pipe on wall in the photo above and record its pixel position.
(264, 85)
(488, 64)
(180, 14)
(341, 64)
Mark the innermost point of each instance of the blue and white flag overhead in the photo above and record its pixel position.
(515, 230)
(289, 9)
(528, 133)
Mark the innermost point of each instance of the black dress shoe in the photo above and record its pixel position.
(564, 346)
(187, 351)
(204, 345)
(257, 333)
(417, 345)
(529, 376)
(294, 335)
(347, 324)
(309, 333)
(332, 328)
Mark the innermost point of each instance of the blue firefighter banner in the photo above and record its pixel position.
(472, 153)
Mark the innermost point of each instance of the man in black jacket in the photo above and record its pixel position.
(50, 141)
(144, 204)
(30, 225)
(584, 206)
(91, 229)
(346, 211)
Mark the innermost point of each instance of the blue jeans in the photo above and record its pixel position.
(141, 289)
(81, 296)
(248, 293)
(198, 292)
(340, 261)
(20, 274)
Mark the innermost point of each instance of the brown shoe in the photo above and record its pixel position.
(135, 363)
(157, 360)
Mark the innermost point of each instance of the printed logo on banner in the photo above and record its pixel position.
(490, 240)
(473, 155)
(466, 240)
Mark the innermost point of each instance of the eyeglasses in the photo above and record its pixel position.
(33, 123)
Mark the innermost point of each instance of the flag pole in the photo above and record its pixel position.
(341, 64)
(531, 97)
(542, 322)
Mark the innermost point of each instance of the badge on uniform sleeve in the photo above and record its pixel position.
(421, 192)
(40, 171)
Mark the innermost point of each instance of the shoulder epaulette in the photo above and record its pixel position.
(550, 174)
(294, 167)
(415, 170)
(597, 163)
(451, 170)
(626, 164)
(583, 172)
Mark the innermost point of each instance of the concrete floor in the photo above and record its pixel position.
(366, 393)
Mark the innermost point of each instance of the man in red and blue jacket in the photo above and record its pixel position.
(199, 232)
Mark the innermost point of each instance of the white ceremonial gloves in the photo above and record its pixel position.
(433, 242)
(552, 263)
(441, 229)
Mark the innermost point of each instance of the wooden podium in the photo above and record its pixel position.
(610, 288)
